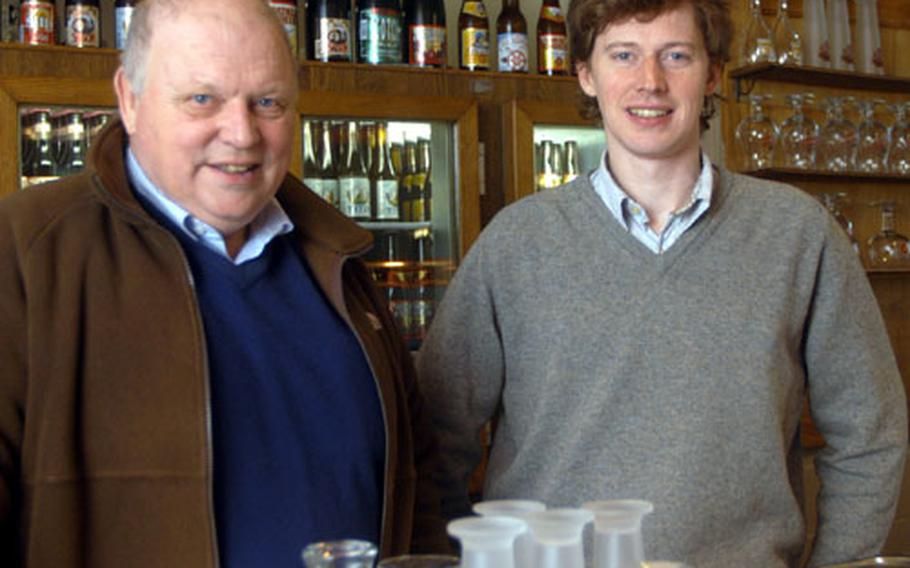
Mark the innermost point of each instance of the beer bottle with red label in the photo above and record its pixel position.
(474, 36)
(329, 31)
(286, 10)
(36, 22)
(426, 32)
(552, 44)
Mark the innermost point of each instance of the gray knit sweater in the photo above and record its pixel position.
(676, 378)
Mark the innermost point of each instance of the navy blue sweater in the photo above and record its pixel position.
(297, 428)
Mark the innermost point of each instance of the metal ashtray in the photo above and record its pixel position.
(876, 561)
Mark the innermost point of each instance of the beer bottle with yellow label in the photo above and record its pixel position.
(474, 36)
(552, 42)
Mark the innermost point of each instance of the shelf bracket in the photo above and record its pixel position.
(744, 92)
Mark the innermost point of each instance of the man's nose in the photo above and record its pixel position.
(653, 77)
(239, 126)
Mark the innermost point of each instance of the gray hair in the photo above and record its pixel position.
(134, 57)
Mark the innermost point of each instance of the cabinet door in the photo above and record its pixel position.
(427, 150)
(58, 96)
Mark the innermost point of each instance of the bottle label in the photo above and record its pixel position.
(387, 199)
(82, 26)
(122, 17)
(427, 45)
(36, 22)
(478, 9)
(552, 53)
(513, 52)
(287, 14)
(552, 13)
(333, 39)
(355, 197)
(380, 35)
(475, 48)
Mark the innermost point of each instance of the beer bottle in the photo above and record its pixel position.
(368, 144)
(328, 30)
(474, 36)
(36, 22)
(286, 10)
(311, 174)
(83, 23)
(512, 38)
(550, 169)
(353, 180)
(379, 31)
(426, 32)
(552, 43)
(42, 167)
(571, 170)
(423, 305)
(421, 205)
(395, 154)
(123, 14)
(409, 168)
(72, 132)
(383, 178)
(328, 165)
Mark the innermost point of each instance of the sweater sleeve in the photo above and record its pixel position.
(460, 370)
(858, 403)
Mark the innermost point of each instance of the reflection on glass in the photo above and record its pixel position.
(757, 135)
(798, 135)
(888, 248)
(899, 147)
(835, 204)
(872, 145)
(340, 554)
(838, 136)
(788, 45)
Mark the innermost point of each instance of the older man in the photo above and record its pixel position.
(194, 368)
(651, 330)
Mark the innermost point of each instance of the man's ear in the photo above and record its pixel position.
(584, 79)
(715, 72)
(127, 100)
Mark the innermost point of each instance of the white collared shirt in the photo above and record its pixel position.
(633, 216)
(271, 222)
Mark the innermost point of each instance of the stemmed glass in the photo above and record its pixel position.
(872, 146)
(899, 147)
(798, 135)
(757, 134)
(838, 136)
(758, 45)
(788, 44)
(834, 203)
(888, 248)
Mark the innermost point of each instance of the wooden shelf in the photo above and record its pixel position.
(746, 76)
(797, 175)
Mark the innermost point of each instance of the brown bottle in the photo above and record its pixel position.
(473, 36)
(552, 44)
(353, 179)
(423, 188)
(512, 39)
(409, 168)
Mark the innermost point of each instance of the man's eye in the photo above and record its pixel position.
(202, 99)
(678, 56)
(622, 55)
(266, 102)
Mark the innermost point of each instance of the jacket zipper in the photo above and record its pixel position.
(382, 407)
(208, 413)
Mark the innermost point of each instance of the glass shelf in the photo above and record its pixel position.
(814, 76)
(395, 225)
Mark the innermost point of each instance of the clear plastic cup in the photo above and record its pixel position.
(487, 542)
(516, 509)
(617, 532)
(557, 535)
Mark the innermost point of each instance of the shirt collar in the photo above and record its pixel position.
(619, 202)
(271, 222)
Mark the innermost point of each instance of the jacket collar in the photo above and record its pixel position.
(316, 220)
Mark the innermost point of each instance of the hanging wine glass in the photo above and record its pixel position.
(798, 135)
(758, 45)
(757, 135)
(872, 142)
(899, 147)
(888, 248)
(837, 142)
(835, 203)
(788, 44)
